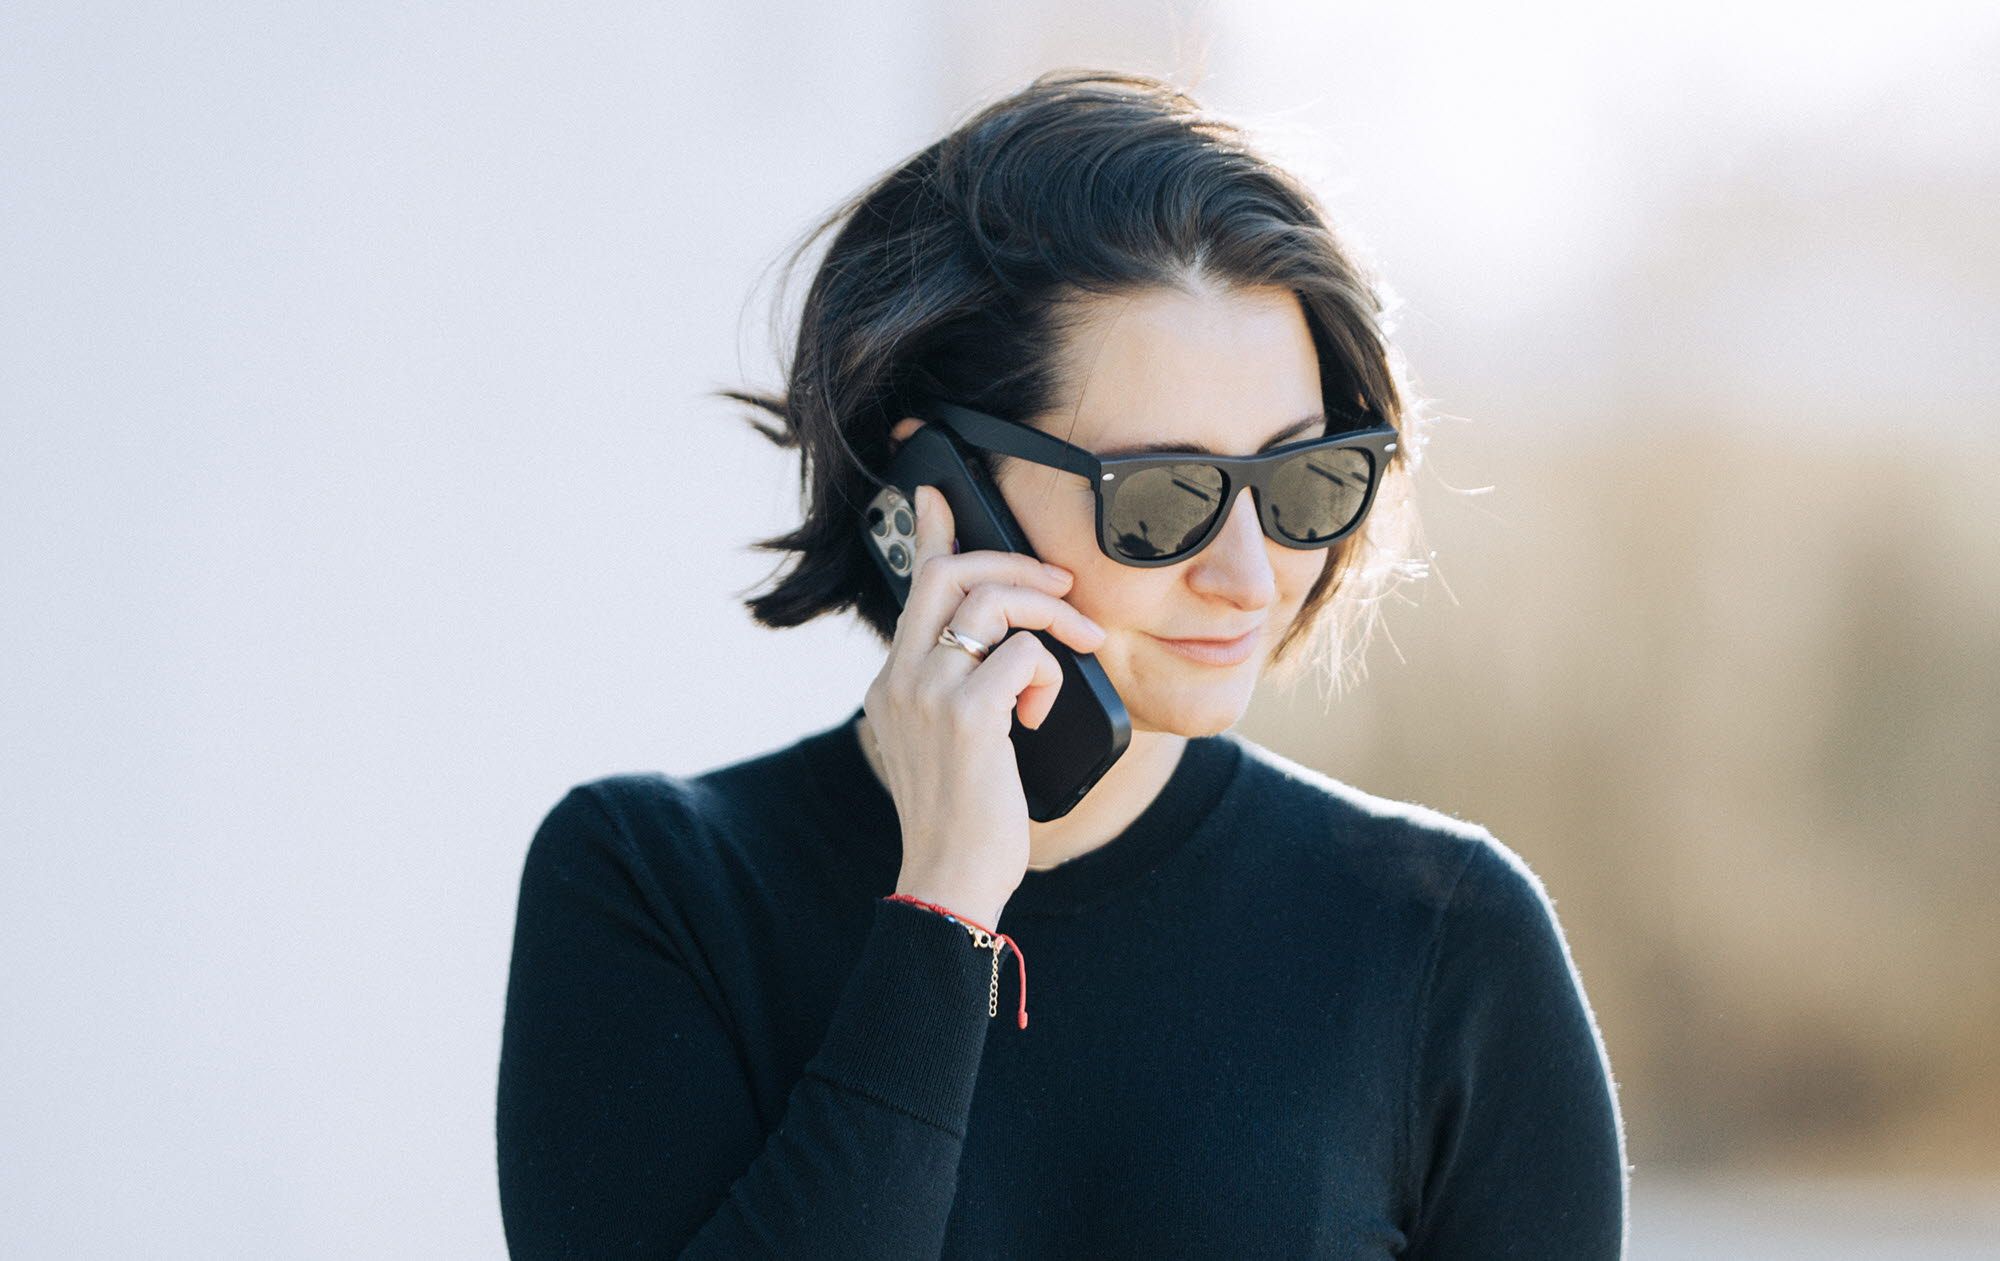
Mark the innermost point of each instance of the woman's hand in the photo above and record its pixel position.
(940, 719)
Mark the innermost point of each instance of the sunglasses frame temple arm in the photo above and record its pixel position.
(1020, 441)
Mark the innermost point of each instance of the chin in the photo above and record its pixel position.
(1190, 710)
(1166, 693)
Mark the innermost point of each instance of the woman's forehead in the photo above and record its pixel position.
(1221, 369)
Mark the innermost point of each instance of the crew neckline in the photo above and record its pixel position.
(857, 806)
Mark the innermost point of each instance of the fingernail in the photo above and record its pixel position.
(1058, 573)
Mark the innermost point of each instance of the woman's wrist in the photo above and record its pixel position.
(985, 937)
(977, 908)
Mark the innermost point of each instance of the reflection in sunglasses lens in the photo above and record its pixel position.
(1317, 495)
(1164, 511)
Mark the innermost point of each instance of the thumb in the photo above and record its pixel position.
(934, 524)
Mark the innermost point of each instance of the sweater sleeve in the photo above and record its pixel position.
(1515, 1142)
(625, 1123)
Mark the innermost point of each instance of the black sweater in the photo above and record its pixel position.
(1276, 1017)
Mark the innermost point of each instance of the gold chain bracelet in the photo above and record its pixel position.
(983, 938)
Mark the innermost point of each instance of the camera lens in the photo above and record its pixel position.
(903, 523)
(877, 521)
(899, 558)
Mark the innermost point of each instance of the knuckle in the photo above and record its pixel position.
(962, 710)
(905, 685)
(981, 602)
(1023, 651)
(934, 569)
(931, 695)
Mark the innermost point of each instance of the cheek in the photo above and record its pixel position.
(1118, 597)
(1297, 571)
(1059, 519)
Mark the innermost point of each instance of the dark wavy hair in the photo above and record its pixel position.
(957, 275)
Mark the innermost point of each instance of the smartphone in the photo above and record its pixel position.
(1088, 729)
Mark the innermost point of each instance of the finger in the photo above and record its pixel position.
(1021, 675)
(935, 536)
(935, 526)
(990, 610)
(924, 609)
(1038, 701)
(940, 579)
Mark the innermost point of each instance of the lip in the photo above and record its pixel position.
(1215, 652)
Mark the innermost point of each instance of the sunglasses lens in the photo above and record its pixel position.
(1317, 495)
(1164, 511)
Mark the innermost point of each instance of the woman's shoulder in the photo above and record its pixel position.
(1381, 846)
(654, 818)
(622, 834)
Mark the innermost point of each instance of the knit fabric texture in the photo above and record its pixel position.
(1275, 1017)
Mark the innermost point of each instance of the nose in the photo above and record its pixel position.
(1236, 565)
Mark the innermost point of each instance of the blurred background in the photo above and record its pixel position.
(361, 491)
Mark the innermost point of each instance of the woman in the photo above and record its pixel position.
(752, 1011)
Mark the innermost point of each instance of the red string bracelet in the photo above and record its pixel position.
(984, 938)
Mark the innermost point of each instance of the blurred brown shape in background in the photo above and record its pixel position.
(1723, 663)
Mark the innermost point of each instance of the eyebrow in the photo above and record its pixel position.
(1176, 448)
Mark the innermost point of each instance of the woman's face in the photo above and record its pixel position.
(1228, 370)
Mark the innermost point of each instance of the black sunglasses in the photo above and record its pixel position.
(1161, 508)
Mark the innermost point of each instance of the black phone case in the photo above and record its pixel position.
(1087, 729)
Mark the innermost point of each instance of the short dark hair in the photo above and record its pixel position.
(954, 277)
